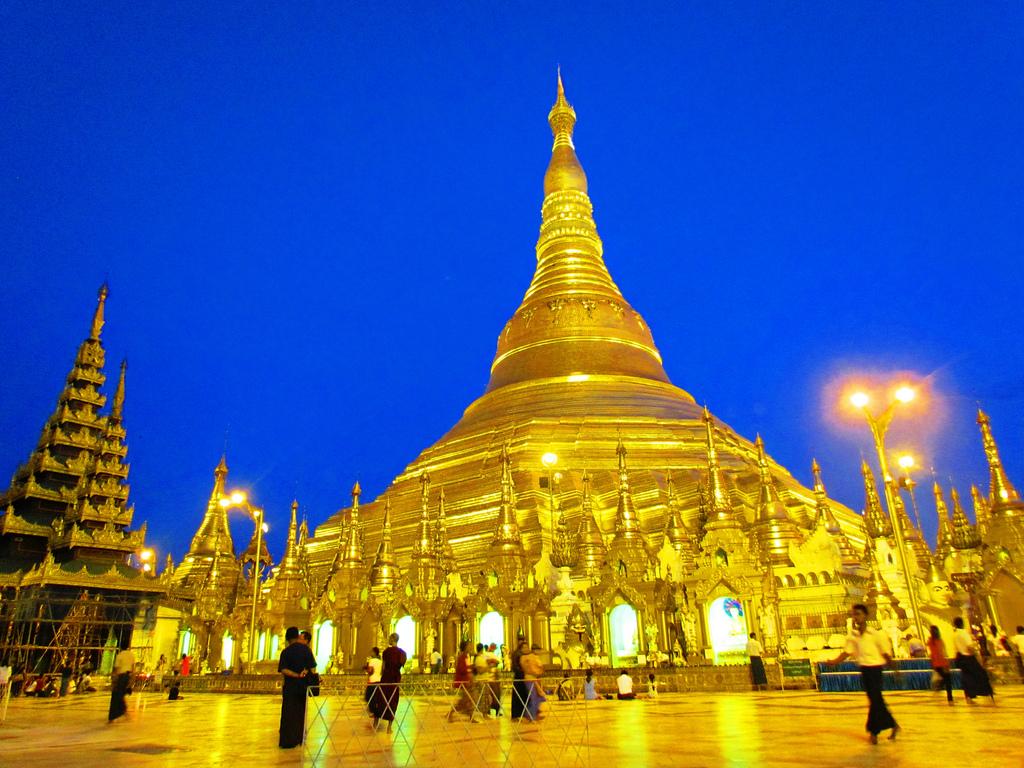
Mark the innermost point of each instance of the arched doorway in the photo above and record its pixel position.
(323, 648)
(185, 642)
(227, 651)
(624, 630)
(406, 629)
(727, 625)
(492, 628)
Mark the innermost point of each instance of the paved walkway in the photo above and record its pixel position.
(776, 730)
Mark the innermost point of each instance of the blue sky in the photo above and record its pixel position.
(316, 220)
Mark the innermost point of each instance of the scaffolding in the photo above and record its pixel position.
(48, 627)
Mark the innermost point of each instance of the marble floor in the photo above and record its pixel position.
(756, 729)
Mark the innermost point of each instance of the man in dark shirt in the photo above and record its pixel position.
(296, 663)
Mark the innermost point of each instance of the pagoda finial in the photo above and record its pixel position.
(214, 528)
(827, 518)
(384, 572)
(593, 550)
(876, 521)
(562, 119)
(291, 556)
(981, 511)
(944, 535)
(965, 535)
(721, 511)
(117, 407)
(442, 545)
(353, 557)
(506, 550)
(97, 318)
(775, 530)
(423, 547)
(1001, 491)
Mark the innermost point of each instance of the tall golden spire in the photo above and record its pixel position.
(776, 531)
(573, 320)
(876, 521)
(117, 406)
(213, 535)
(97, 318)
(384, 573)
(353, 557)
(423, 547)
(290, 561)
(506, 550)
(721, 513)
(565, 550)
(827, 519)
(627, 548)
(944, 536)
(1001, 491)
(593, 551)
(442, 545)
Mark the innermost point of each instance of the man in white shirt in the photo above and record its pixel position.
(872, 651)
(973, 676)
(625, 683)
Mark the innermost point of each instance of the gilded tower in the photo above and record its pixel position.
(66, 549)
(577, 378)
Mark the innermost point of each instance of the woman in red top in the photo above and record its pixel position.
(463, 683)
(940, 664)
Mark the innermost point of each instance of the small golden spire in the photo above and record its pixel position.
(117, 407)
(828, 519)
(965, 535)
(353, 557)
(97, 318)
(384, 573)
(981, 512)
(776, 531)
(593, 550)
(1001, 491)
(442, 545)
(876, 521)
(423, 547)
(944, 536)
(721, 512)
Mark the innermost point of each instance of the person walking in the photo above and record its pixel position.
(393, 659)
(973, 676)
(121, 677)
(533, 668)
(295, 663)
(520, 690)
(940, 663)
(873, 651)
(373, 668)
(463, 685)
(1017, 643)
(758, 676)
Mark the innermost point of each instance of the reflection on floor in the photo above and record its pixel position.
(763, 729)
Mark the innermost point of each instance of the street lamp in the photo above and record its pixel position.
(240, 500)
(147, 557)
(907, 463)
(879, 426)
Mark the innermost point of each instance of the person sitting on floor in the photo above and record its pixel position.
(625, 683)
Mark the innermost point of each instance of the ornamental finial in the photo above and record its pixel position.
(97, 318)
(117, 408)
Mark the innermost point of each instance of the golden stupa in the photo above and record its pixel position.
(576, 371)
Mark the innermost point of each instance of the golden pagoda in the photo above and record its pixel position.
(71, 575)
(577, 379)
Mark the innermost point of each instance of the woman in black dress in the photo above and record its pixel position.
(390, 676)
(520, 688)
(296, 662)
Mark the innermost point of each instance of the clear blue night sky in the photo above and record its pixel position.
(315, 222)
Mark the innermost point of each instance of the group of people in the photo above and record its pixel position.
(477, 689)
(872, 650)
(384, 673)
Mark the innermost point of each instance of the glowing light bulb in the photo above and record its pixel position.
(906, 461)
(905, 394)
(549, 459)
(859, 399)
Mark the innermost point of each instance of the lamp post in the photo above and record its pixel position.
(879, 425)
(239, 499)
(907, 463)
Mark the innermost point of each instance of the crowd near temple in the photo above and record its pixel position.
(583, 504)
